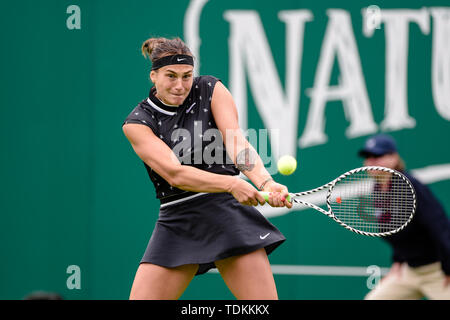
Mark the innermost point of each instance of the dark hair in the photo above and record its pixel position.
(155, 48)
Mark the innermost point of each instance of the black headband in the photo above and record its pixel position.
(174, 59)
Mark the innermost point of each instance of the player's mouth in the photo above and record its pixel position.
(177, 98)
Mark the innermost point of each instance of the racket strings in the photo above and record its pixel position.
(373, 201)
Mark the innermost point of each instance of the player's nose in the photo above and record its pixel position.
(178, 85)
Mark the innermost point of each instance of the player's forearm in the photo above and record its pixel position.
(257, 174)
(192, 179)
(246, 158)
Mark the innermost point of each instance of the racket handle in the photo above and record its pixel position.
(265, 194)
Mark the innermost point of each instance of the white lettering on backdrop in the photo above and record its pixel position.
(251, 58)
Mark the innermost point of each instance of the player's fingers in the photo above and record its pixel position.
(245, 201)
(251, 200)
(284, 198)
(260, 198)
(277, 200)
(284, 192)
(447, 281)
(288, 204)
(271, 203)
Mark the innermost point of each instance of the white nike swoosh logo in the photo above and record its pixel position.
(265, 236)
(178, 59)
(189, 109)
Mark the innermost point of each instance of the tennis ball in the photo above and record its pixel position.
(287, 165)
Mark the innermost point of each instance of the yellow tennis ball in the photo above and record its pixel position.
(287, 165)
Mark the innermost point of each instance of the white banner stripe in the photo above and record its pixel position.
(323, 270)
(349, 271)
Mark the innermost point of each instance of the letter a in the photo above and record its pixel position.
(74, 20)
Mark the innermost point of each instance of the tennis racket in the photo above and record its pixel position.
(371, 201)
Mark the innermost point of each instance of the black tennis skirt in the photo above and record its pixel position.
(208, 228)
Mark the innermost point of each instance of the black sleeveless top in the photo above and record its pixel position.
(189, 130)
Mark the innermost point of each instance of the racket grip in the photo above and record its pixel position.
(265, 194)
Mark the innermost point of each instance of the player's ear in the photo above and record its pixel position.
(398, 161)
(395, 157)
(153, 74)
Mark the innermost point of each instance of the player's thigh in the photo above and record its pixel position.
(157, 282)
(249, 276)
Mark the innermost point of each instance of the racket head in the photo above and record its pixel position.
(373, 201)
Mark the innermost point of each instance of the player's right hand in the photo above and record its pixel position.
(246, 194)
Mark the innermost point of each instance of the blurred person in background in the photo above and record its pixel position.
(421, 252)
(43, 295)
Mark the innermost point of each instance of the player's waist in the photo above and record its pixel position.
(178, 198)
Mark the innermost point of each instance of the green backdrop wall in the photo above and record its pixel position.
(74, 193)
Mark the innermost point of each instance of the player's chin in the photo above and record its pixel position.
(373, 173)
(177, 99)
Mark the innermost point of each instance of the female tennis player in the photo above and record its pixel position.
(187, 134)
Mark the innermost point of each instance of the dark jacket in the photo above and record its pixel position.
(427, 238)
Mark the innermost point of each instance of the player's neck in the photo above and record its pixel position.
(160, 100)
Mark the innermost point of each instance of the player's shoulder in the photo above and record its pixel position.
(412, 178)
(146, 108)
(419, 186)
(142, 113)
(205, 81)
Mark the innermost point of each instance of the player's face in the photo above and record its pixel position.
(173, 83)
(389, 160)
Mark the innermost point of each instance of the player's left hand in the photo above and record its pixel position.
(447, 281)
(277, 194)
